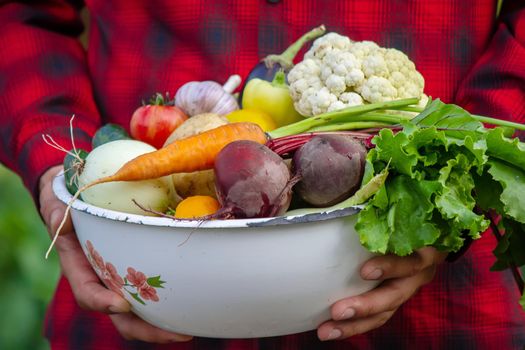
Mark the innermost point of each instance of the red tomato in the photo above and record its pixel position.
(154, 122)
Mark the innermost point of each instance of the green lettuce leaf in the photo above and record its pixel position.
(445, 172)
(455, 119)
(512, 180)
(391, 148)
(488, 192)
(456, 202)
(397, 220)
(428, 199)
(410, 213)
(509, 251)
(447, 175)
(373, 230)
(510, 150)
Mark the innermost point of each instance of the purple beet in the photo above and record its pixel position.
(330, 168)
(251, 181)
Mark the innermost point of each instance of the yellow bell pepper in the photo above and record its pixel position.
(272, 98)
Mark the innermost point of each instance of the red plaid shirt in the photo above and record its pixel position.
(140, 47)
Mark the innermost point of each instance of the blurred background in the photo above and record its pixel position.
(27, 279)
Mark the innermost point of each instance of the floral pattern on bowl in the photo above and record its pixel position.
(139, 286)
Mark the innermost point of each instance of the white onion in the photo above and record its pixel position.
(105, 160)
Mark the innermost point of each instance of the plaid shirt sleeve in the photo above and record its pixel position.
(43, 82)
(496, 85)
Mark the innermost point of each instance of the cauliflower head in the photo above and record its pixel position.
(337, 72)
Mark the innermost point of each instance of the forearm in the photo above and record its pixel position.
(43, 82)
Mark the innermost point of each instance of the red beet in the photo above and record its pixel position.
(251, 181)
(330, 168)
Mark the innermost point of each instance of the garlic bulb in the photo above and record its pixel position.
(197, 97)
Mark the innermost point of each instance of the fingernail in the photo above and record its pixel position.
(334, 334)
(375, 274)
(348, 313)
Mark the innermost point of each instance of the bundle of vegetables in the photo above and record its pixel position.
(448, 176)
(426, 173)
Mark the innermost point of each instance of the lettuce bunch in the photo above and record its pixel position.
(450, 178)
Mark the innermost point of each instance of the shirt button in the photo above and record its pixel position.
(273, 1)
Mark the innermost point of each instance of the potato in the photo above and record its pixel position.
(196, 125)
(199, 182)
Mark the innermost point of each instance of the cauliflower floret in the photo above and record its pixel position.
(336, 84)
(307, 67)
(337, 105)
(321, 100)
(343, 64)
(377, 89)
(375, 65)
(337, 73)
(362, 49)
(330, 42)
(346, 99)
(351, 99)
(315, 101)
(403, 74)
(298, 87)
(326, 71)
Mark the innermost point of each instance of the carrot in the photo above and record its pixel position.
(193, 153)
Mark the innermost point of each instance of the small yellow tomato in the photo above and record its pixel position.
(252, 115)
(196, 207)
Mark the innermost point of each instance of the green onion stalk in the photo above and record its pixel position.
(350, 114)
(362, 122)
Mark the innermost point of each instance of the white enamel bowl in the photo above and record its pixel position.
(224, 278)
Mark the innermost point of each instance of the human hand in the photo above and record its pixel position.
(401, 278)
(88, 290)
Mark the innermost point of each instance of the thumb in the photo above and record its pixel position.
(51, 208)
(56, 217)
